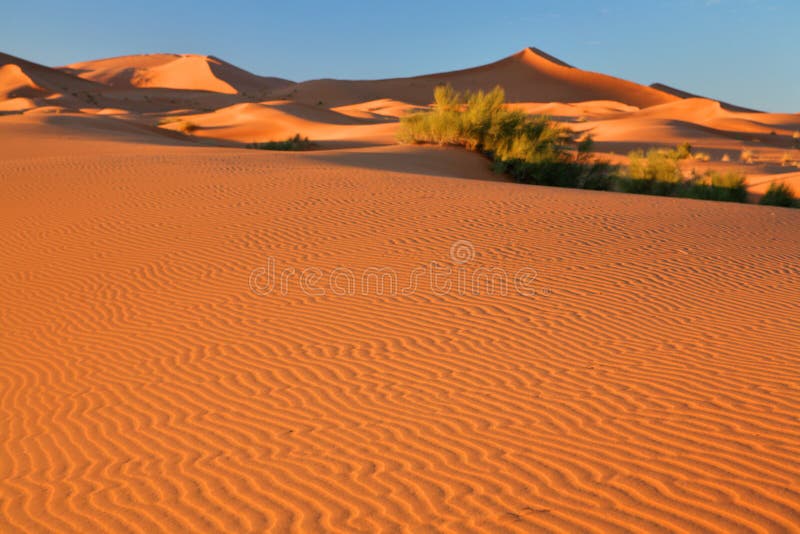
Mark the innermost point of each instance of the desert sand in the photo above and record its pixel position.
(150, 381)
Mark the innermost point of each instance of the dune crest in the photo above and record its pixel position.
(26, 79)
(527, 76)
(174, 71)
(14, 83)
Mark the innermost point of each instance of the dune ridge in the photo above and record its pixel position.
(174, 71)
(212, 102)
(686, 94)
(527, 76)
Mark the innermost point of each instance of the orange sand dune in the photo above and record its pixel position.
(270, 121)
(528, 76)
(759, 183)
(650, 384)
(14, 83)
(685, 94)
(589, 109)
(24, 85)
(383, 108)
(14, 70)
(225, 105)
(713, 114)
(175, 71)
(59, 130)
(17, 104)
(706, 124)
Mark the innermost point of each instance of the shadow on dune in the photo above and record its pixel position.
(116, 130)
(429, 161)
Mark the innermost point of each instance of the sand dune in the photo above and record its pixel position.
(703, 123)
(583, 110)
(685, 94)
(25, 85)
(382, 108)
(144, 387)
(175, 71)
(149, 382)
(42, 79)
(14, 83)
(270, 121)
(527, 76)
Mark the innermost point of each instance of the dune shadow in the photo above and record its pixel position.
(117, 130)
(430, 161)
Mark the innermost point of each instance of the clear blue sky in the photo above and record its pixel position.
(742, 51)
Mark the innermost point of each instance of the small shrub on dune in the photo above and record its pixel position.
(188, 127)
(747, 156)
(779, 194)
(532, 149)
(536, 150)
(725, 158)
(796, 140)
(658, 172)
(292, 143)
(681, 152)
(713, 185)
(654, 173)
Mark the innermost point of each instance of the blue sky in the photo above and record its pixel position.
(742, 51)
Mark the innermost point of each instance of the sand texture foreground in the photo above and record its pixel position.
(651, 384)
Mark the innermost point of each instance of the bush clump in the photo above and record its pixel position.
(536, 150)
(656, 173)
(292, 143)
(713, 185)
(779, 194)
(532, 150)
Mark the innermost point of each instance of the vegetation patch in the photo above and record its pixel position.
(536, 150)
(292, 143)
(531, 149)
(780, 194)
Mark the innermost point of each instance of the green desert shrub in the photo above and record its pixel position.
(536, 150)
(681, 152)
(531, 149)
(655, 173)
(779, 194)
(292, 143)
(658, 172)
(713, 185)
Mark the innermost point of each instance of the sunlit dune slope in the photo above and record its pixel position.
(270, 121)
(25, 85)
(702, 122)
(175, 71)
(528, 76)
(685, 94)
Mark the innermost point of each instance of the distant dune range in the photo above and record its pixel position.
(175, 71)
(214, 102)
(650, 385)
